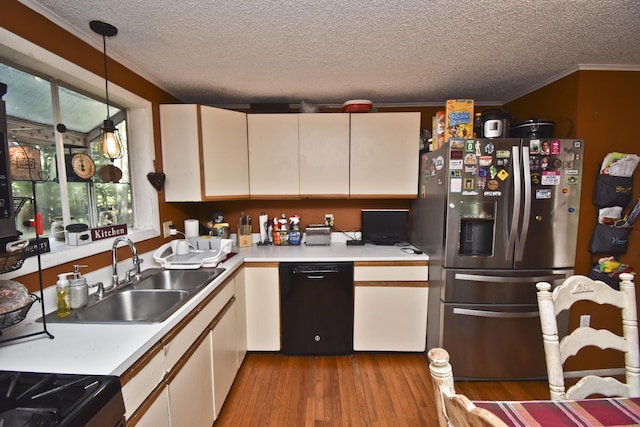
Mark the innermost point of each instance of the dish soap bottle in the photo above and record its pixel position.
(78, 289)
(64, 299)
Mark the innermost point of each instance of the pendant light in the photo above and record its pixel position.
(110, 145)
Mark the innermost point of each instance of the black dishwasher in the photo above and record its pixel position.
(316, 307)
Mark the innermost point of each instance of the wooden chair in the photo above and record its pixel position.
(582, 288)
(455, 410)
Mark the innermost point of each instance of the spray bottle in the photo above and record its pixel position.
(294, 230)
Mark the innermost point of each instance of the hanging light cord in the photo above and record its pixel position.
(106, 78)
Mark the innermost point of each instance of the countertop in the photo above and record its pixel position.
(112, 349)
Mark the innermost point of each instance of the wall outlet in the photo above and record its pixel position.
(328, 219)
(585, 320)
(166, 230)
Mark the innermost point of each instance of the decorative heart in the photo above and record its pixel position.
(156, 179)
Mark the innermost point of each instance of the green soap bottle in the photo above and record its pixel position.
(64, 297)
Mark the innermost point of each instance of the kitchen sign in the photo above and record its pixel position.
(108, 232)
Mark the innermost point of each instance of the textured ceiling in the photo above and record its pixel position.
(233, 52)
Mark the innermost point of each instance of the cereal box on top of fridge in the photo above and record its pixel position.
(437, 130)
(459, 119)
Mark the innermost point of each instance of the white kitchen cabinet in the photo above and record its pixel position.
(273, 155)
(225, 355)
(241, 315)
(324, 155)
(263, 306)
(204, 153)
(191, 388)
(156, 413)
(140, 382)
(176, 344)
(384, 155)
(390, 306)
(157, 389)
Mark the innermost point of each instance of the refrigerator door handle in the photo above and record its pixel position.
(526, 213)
(503, 279)
(517, 194)
(495, 314)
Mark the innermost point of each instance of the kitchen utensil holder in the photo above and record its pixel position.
(244, 235)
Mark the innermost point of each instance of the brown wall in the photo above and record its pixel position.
(593, 101)
(601, 106)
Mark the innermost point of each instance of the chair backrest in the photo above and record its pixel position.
(455, 410)
(582, 288)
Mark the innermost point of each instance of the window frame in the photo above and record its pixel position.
(146, 221)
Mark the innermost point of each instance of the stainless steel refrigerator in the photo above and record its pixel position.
(495, 216)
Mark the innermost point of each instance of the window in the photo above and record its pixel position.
(140, 147)
(31, 109)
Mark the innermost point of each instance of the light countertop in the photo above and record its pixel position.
(112, 349)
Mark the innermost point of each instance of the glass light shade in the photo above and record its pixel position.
(110, 145)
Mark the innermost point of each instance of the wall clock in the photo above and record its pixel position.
(80, 167)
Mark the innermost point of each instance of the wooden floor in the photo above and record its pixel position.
(356, 390)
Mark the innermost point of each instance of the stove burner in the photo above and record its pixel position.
(40, 399)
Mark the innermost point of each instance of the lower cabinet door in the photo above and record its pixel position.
(157, 414)
(225, 362)
(390, 318)
(191, 389)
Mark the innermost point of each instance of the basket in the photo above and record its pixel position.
(16, 316)
(10, 261)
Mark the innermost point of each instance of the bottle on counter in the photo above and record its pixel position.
(284, 230)
(294, 230)
(62, 291)
(276, 231)
(78, 289)
(477, 126)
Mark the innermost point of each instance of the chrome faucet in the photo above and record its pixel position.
(115, 281)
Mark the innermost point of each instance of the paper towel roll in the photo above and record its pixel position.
(263, 219)
(191, 228)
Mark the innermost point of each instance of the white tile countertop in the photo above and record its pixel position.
(111, 349)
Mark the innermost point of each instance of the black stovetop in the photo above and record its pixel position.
(40, 399)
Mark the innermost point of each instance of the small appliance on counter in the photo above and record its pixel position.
(217, 226)
(317, 235)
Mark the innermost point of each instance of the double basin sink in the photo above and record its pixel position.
(157, 295)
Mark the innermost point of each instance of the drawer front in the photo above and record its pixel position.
(136, 390)
(178, 345)
(390, 273)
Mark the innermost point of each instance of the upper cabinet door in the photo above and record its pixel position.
(384, 155)
(324, 155)
(204, 153)
(273, 155)
(224, 153)
(179, 127)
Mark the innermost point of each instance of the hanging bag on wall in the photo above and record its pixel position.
(613, 191)
(608, 239)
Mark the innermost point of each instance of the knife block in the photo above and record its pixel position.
(244, 241)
